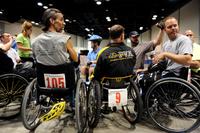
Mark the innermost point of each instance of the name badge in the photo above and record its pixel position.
(54, 80)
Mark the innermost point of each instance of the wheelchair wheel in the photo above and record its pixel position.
(12, 88)
(94, 103)
(170, 102)
(133, 110)
(81, 106)
(30, 110)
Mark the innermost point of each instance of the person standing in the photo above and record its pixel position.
(141, 48)
(24, 43)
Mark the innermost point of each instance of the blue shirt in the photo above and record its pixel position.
(92, 55)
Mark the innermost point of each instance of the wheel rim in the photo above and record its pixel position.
(170, 106)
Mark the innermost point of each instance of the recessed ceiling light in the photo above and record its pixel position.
(87, 29)
(45, 7)
(141, 28)
(33, 22)
(1, 12)
(50, 4)
(39, 4)
(36, 23)
(155, 16)
(66, 20)
(98, 3)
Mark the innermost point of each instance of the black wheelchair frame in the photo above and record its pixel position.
(38, 99)
(170, 102)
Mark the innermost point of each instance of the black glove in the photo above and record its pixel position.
(161, 25)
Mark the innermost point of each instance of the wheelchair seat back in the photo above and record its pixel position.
(58, 79)
(115, 83)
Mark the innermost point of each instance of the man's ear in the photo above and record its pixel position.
(51, 20)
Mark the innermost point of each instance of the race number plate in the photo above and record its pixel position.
(117, 97)
(54, 80)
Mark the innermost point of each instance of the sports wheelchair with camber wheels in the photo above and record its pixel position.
(115, 93)
(12, 87)
(169, 102)
(46, 96)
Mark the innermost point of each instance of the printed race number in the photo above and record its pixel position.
(54, 80)
(117, 97)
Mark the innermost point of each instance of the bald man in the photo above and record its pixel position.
(195, 64)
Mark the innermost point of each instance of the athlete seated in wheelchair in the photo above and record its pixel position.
(46, 97)
(12, 83)
(172, 101)
(112, 86)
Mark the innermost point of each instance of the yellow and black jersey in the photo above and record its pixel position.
(115, 60)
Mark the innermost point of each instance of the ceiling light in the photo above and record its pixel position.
(141, 28)
(74, 20)
(36, 23)
(106, 10)
(87, 29)
(89, 35)
(39, 4)
(45, 7)
(108, 19)
(107, 0)
(155, 16)
(50, 4)
(108, 28)
(92, 29)
(162, 9)
(98, 2)
(1, 12)
(115, 18)
(33, 22)
(66, 20)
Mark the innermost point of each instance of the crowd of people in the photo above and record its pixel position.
(53, 47)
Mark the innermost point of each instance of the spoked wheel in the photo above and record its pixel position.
(81, 106)
(170, 102)
(12, 88)
(31, 110)
(94, 103)
(133, 110)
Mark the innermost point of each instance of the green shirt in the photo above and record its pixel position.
(25, 41)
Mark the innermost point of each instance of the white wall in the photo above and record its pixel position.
(188, 17)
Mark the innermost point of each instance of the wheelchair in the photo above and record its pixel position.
(114, 93)
(12, 87)
(54, 85)
(171, 103)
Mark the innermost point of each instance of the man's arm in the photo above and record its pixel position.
(72, 52)
(195, 64)
(159, 37)
(181, 59)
